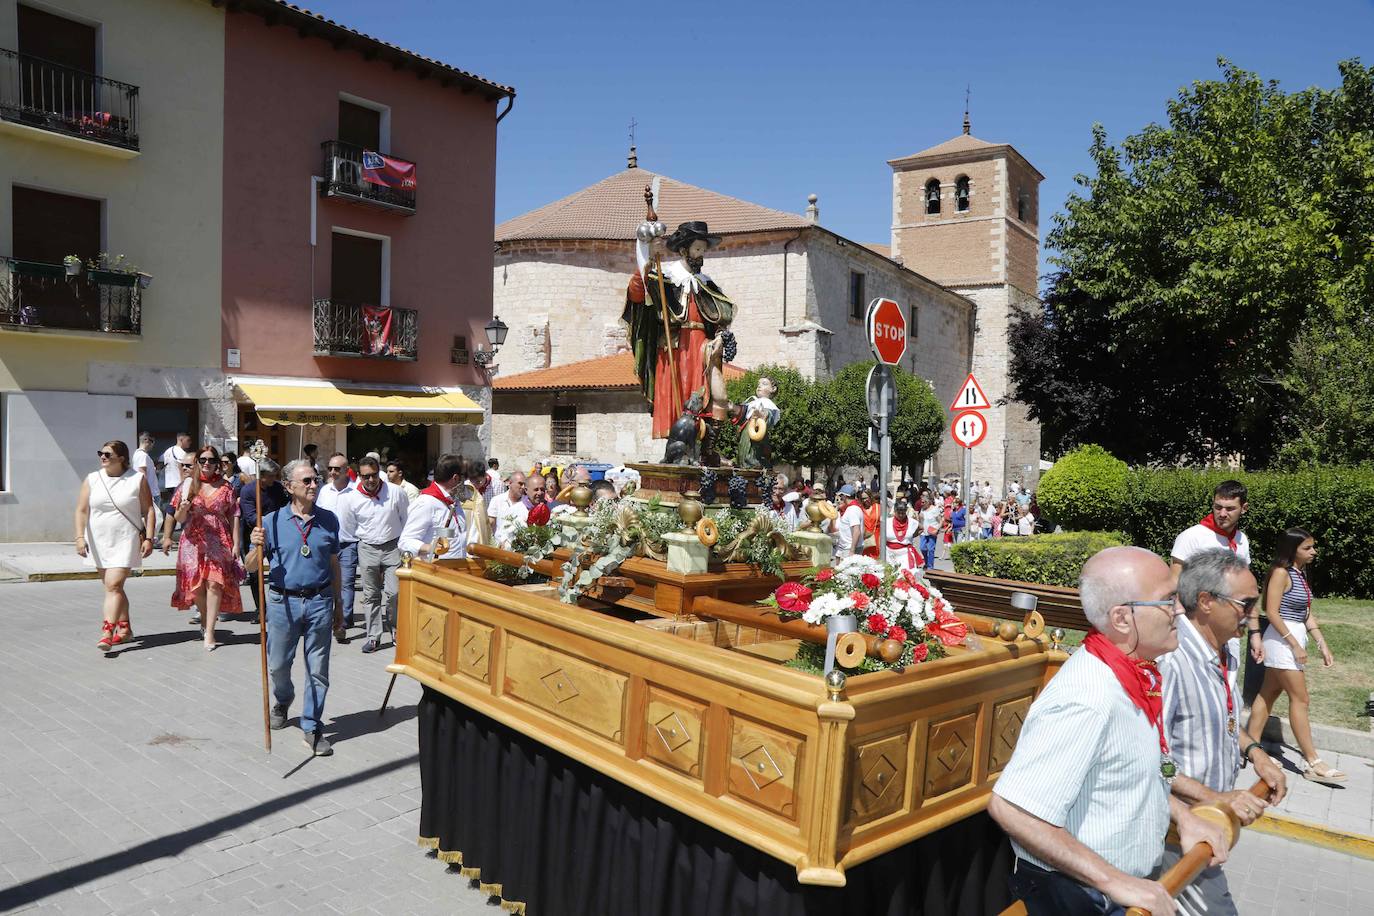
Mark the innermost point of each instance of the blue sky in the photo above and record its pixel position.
(771, 102)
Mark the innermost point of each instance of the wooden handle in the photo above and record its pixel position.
(1182, 873)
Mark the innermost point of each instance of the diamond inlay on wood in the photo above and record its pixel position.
(475, 652)
(762, 769)
(672, 731)
(1007, 719)
(560, 685)
(878, 779)
(429, 638)
(949, 753)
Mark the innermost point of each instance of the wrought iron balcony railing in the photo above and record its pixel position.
(345, 177)
(354, 329)
(39, 296)
(52, 97)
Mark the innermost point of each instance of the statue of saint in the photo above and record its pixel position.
(673, 310)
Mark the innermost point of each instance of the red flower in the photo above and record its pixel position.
(921, 590)
(877, 624)
(793, 596)
(539, 515)
(908, 578)
(950, 629)
(870, 581)
(825, 575)
(919, 653)
(860, 600)
(897, 633)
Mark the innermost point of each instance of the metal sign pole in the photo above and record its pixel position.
(884, 472)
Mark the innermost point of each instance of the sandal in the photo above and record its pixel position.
(123, 633)
(106, 636)
(1318, 771)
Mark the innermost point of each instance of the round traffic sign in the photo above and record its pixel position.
(887, 330)
(969, 428)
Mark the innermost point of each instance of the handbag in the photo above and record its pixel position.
(138, 529)
(1009, 529)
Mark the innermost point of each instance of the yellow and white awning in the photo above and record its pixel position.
(317, 402)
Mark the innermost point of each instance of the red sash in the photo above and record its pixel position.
(1210, 524)
(914, 558)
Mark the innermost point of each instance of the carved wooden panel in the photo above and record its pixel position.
(1007, 719)
(673, 731)
(949, 752)
(878, 770)
(763, 766)
(431, 626)
(583, 693)
(474, 649)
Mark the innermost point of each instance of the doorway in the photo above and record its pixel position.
(408, 443)
(251, 429)
(165, 418)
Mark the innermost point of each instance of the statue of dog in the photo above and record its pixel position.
(682, 435)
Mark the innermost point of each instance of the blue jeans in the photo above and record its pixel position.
(288, 620)
(348, 573)
(1049, 893)
(927, 548)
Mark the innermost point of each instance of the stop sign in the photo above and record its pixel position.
(887, 330)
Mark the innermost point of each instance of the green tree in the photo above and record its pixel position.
(799, 437)
(916, 430)
(1195, 269)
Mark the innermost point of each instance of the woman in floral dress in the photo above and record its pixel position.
(208, 568)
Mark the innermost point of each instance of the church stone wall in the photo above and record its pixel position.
(612, 427)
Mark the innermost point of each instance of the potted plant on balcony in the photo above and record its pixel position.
(72, 263)
(112, 270)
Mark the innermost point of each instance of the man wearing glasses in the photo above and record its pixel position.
(302, 543)
(1085, 797)
(1202, 705)
(336, 484)
(376, 513)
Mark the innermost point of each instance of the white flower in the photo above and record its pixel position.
(563, 509)
(827, 605)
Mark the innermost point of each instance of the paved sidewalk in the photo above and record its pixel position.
(57, 560)
(137, 783)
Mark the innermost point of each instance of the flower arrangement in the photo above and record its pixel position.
(911, 618)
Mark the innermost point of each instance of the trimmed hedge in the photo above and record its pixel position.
(1049, 559)
(1335, 504)
(1084, 487)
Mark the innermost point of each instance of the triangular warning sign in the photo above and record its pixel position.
(971, 397)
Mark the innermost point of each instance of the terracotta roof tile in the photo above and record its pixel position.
(603, 373)
(614, 207)
(963, 143)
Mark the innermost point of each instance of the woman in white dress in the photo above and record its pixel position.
(114, 521)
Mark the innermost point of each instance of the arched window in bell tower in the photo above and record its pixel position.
(961, 193)
(933, 196)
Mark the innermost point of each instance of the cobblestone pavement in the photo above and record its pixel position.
(137, 783)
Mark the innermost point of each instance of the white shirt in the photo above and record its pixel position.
(375, 519)
(142, 462)
(412, 492)
(1088, 760)
(506, 516)
(899, 556)
(171, 466)
(931, 520)
(495, 487)
(1197, 539)
(844, 531)
(424, 519)
(329, 498)
(1025, 525)
(248, 466)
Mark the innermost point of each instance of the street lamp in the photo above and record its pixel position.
(496, 333)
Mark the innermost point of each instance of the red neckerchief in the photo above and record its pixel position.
(438, 493)
(899, 528)
(1210, 524)
(377, 496)
(1140, 679)
(852, 502)
(211, 478)
(1225, 679)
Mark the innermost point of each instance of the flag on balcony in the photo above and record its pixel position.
(389, 172)
(377, 330)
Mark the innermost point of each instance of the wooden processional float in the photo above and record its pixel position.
(673, 684)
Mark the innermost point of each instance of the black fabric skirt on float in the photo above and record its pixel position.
(553, 837)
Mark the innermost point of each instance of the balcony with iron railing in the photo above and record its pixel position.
(390, 187)
(39, 94)
(354, 329)
(38, 297)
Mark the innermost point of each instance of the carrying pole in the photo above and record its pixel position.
(259, 453)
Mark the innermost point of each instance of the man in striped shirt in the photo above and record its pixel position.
(1202, 704)
(1085, 797)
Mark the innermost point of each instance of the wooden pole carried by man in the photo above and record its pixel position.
(258, 452)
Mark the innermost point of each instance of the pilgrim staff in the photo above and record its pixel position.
(652, 217)
(258, 451)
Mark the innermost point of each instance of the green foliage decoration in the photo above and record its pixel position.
(1084, 490)
(1047, 559)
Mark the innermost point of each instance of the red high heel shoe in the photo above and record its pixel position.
(106, 636)
(123, 633)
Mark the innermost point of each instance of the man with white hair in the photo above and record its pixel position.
(1085, 797)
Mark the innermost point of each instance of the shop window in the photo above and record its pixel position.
(856, 295)
(564, 429)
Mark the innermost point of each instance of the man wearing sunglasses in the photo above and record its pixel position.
(376, 513)
(1085, 797)
(1202, 703)
(335, 485)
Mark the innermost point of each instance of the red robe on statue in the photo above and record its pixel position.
(687, 358)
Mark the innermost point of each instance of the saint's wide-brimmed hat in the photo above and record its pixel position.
(689, 232)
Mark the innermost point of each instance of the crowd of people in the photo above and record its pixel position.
(1140, 724)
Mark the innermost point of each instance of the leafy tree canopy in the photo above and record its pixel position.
(916, 429)
(1207, 277)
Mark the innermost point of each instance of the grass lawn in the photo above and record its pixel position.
(1340, 692)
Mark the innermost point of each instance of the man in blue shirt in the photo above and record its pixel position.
(303, 603)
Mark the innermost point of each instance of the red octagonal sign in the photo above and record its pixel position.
(887, 330)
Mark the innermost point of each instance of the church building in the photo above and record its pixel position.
(963, 254)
